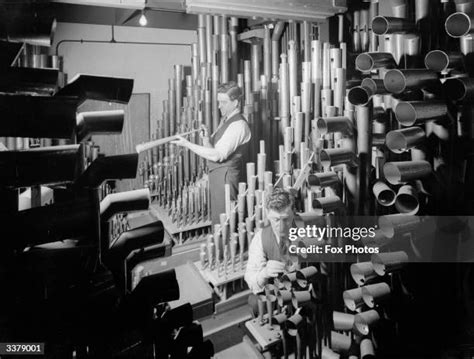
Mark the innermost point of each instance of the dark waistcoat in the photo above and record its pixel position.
(234, 160)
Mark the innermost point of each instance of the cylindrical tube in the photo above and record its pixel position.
(410, 112)
(384, 195)
(405, 171)
(441, 61)
(397, 81)
(399, 141)
(369, 61)
(460, 89)
(407, 200)
(382, 25)
(459, 24)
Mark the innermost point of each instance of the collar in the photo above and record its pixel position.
(232, 114)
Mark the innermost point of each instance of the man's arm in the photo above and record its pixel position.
(235, 135)
(255, 265)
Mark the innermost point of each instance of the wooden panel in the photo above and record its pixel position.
(136, 129)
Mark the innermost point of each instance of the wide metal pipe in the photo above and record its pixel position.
(363, 321)
(459, 24)
(399, 141)
(397, 81)
(359, 95)
(407, 200)
(341, 124)
(336, 156)
(460, 89)
(441, 61)
(384, 195)
(340, 342)
(376, 86)
(388, 262)
(323, 179)
(363, 272)
(383, 25)
(328, 204)
(369, 61)
(405, 171)
(409, 112)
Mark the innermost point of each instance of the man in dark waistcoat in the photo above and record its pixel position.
(224, 148)
(268, 252)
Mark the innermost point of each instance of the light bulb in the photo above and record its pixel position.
(143, 21)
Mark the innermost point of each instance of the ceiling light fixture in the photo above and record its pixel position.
(143, 20)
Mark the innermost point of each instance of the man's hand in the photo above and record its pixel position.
(204, 133)
(180, 141)
(274, 268)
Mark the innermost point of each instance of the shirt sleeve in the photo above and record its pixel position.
(235, 135)
(255, 264)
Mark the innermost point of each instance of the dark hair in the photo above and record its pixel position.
(280, 199)
(231, 89)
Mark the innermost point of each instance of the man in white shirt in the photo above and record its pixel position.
(268, 252)
(224, 148)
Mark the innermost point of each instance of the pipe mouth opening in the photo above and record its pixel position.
(407, 203)
(358, 96)
(370, 84)
(369, 300)
(394, 81)
(380, 25)
(455, 89)
(405, 114)
(322, 126)
(396, 142)
(437, 60)
(458, 24)
(364, 62)
(392, 173)
(386, 197)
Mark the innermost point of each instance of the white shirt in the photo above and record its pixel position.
(257, 262)
(236, 134)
